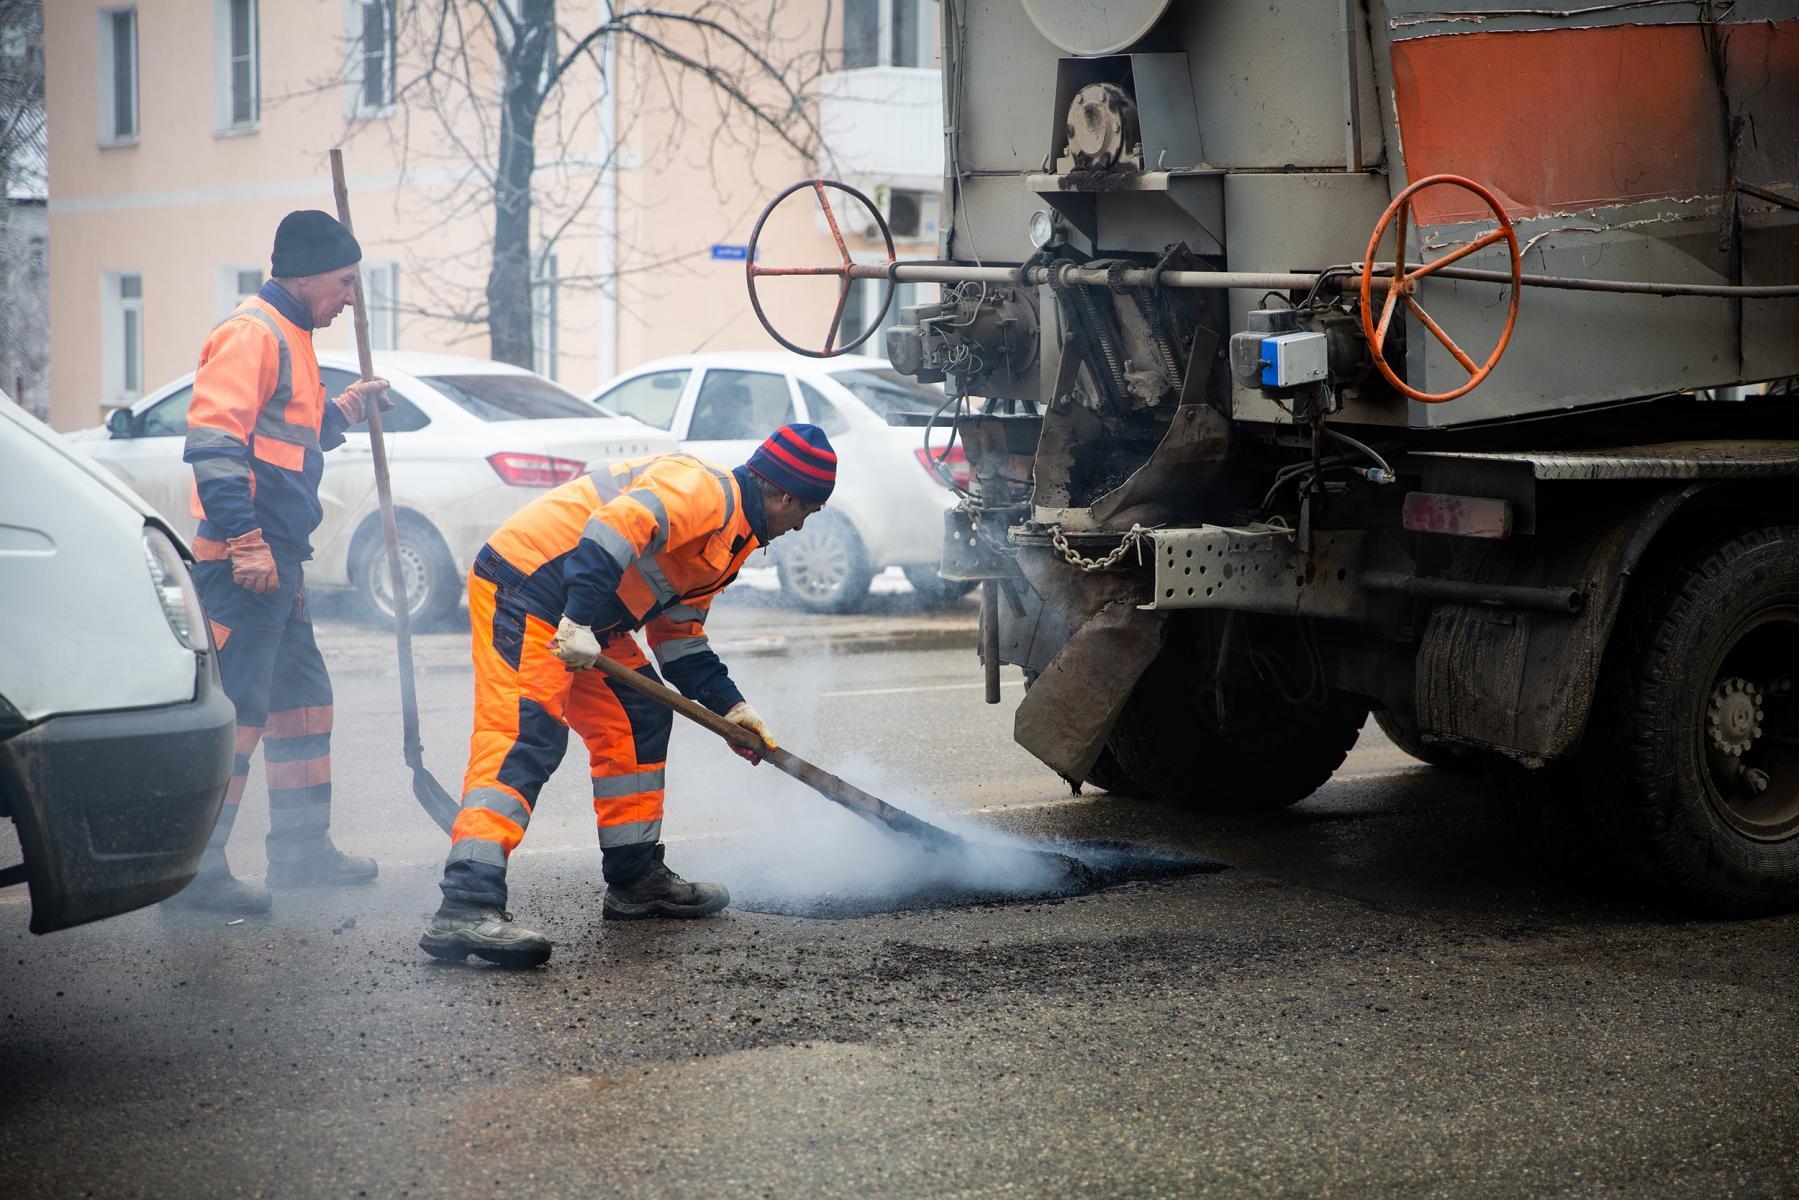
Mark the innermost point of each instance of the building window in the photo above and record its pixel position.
(371, 52)
(122, 347)
(381, 291)
(237, 85)
(889, 33)
(237, 284)
(118, 75)
(544, 316)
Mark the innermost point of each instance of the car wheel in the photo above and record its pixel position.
(823, 567)
(933, 588)
(433, 585)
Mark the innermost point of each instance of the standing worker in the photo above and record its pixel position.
(645, 545)
(257, 429)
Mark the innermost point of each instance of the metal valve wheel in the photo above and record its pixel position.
(1403, 286)
(847, 270)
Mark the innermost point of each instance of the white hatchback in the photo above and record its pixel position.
(469, 442)
(892, 493)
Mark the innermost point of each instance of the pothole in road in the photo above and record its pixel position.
(926, 881)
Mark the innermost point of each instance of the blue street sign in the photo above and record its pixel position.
(722, 253)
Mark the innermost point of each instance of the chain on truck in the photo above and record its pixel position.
(1429, 360)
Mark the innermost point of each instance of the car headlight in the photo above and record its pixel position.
(175, 590)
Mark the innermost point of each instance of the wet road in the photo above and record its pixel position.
(1380, 995)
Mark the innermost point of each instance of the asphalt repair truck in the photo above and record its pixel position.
(1417, 358)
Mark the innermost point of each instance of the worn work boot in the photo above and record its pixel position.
(459, 930)
(218, 890)
(325, 866)
(659, 892)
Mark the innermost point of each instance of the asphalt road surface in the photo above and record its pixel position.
(1379, 994)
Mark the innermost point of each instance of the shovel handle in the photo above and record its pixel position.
(823, 782)
(733, 733)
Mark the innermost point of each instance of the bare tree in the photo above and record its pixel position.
(492, 104)
(24, 279)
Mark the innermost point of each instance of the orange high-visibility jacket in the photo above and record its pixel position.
(644, 544)
(256, 430)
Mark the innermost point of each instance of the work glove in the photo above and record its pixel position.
(575, 645)
(252, 562)
(354, 402)
(742, 714)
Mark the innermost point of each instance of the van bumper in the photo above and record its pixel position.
(114, 808)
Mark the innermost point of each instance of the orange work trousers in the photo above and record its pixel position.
(526, 701)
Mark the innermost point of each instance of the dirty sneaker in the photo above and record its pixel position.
(218, 890)
(459, 930)
(326, 866)
(659, 892)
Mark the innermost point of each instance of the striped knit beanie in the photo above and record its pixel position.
(799, 460)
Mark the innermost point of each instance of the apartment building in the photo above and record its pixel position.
(180, 131)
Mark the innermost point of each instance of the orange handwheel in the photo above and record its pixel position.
(1404, 285)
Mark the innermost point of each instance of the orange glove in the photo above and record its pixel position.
(252, 562)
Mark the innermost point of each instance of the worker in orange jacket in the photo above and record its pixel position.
(646, 545)
(257, 429)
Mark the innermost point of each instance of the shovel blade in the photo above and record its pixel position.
(438, 804)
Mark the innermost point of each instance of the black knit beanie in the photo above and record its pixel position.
(310, 242)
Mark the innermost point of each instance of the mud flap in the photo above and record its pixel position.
(1065, 717)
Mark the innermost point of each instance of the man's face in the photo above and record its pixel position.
(787, 513)
(326, 295)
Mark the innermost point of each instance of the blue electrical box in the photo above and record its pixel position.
(1294, 360)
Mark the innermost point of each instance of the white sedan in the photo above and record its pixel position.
(891, 493)
(469, 442)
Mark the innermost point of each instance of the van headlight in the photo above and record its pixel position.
(175, 590)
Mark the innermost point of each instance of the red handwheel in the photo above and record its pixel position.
(847, 270)
(1404, 286)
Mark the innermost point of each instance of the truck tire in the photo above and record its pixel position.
(1698, 789)
(433, 585)
(824, 567)
(1402, 731)
(1174, 751)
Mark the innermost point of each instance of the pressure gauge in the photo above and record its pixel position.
(1043, 228)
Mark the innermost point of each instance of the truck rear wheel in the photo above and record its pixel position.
(1402, 731)
(1701, 732)
(1167, 742)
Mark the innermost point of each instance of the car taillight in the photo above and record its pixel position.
(534, 470)
(175, 590)
(946, 467)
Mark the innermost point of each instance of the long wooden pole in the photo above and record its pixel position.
(409, 703)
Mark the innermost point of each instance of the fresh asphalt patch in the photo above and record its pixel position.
(990, 876)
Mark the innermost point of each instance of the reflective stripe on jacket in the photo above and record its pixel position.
(646, 543)
(256, 430)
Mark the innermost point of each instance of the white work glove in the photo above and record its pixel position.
(742, 714)
(354, 402)
(575, 645)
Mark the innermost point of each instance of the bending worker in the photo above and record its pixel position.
(644, 545)
(257, 429)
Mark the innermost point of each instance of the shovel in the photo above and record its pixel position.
(437, 803)
(870, 808)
